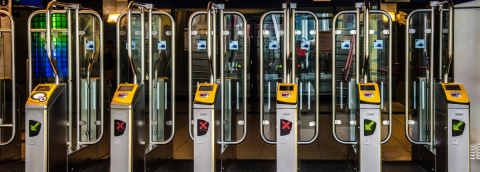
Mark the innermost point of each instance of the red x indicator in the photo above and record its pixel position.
(120, 126)
(203, 125)
(285, 125)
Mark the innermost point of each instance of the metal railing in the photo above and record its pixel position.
(211, 12)
(407, 76)
(222, 74)
(102, 79)
(357, 64)
(190, 59)
(151, 74)
(14, 96)
(366, 48)
(151, 11)
(290, 44)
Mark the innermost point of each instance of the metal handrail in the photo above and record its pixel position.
(48, 34)
(13, 125)
(407, 67)
(209, 42)
(48, 46)
(389, 135)
(334, 43)
(222, 62)
(285, 76)
(102, 79)
(261, 73)
(118, 25)
(317, 76)
(29, 35)
(151, 75)
(366, 40)
(450, 39)
(190, 101)
(129, 39)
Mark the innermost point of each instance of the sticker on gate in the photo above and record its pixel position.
(233, 45)
(162, 45)
(419, 43)
(378, 44)
(201, 44)
(273, 45)
(89, 45)
(345, 44)
(305, 45)
(133, 45)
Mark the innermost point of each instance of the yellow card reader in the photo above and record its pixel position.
(41, 94)
(455, 93)
(287, 93)
(369, 93)
(125, 93)
(206, 93)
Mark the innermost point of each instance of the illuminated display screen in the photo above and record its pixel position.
(205, 88)
(40, 63)
(286, 88)
(452, 87)
(43, 88)
(125, 88)
(367, 87)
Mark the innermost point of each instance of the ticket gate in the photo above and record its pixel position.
(289, 71)
(366, 78)
(143, 106)
(10, 142)
(368, 135)
(49, 129)
(287, 115)
(437, 113)
(218, 124)
(207, 129)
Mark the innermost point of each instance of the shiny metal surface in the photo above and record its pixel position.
(407, 67)
(14, 98)
(168, 140)
(334, 41)
(102, 79)
(390, 61)
(190, 91)
(245, 77)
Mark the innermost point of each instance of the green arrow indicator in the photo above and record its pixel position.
(368, 126)
(457, 125)
(34, 127)
(280, 66)
(239, 66)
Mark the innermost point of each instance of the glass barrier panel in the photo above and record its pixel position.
(234, 76)
(162, 77)
(273, 64)
(345, 105)
(419, 52)
(305, 68)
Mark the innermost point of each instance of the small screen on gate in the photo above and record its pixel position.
(286, 88)
(452, 87)
(205, 88)
(367, 87)
(125, 88)
(43, 88)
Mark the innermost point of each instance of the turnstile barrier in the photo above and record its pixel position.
(355, 67)
(9, 96)
(231, 110)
